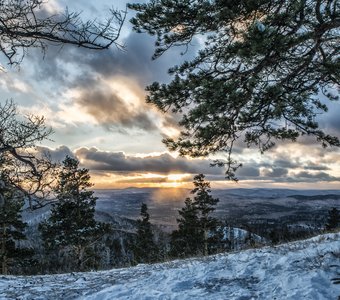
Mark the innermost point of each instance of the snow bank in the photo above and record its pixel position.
(299, 270)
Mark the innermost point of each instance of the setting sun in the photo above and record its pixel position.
(177, 177)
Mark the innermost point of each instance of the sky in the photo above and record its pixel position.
(95, 103)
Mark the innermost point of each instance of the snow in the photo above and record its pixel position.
(298, 270)
(260, 26)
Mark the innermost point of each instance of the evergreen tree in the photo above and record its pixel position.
(196, 227)
(11, 228)
(205, 204)
(258, 76)
(72, 225)
(186, 240)
(145, 249)
(333, 221)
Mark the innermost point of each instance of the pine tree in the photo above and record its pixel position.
(186, 240)
(333, 221)
(11, 228)
(205, 204)
(145, 249)
(196, 226)
(258, 76)
(72, 225)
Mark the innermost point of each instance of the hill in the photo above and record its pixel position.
(298, 270)
(238, 206)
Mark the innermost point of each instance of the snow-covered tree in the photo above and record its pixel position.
(145, 249)
(11, 227)
(196, 227)
(72, 226)
(333, 220)
(186, 240)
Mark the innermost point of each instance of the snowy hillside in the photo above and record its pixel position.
(299, 270)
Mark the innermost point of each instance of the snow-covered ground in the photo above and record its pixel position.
(299, 270)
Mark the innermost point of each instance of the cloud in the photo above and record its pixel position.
(120, 169)
(112, 110)
(248, 171)
(57, 155)
(286, 163)
(89, 73)
(297, 163)
(136, 61)
(291, 163)
(274, 172)
(95, 159)
(315, 166)
(313, 177)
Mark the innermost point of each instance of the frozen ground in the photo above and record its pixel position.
(299, 270)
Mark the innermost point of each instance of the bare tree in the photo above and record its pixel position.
(24, 169)
(25, 24)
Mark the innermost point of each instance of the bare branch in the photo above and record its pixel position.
(24, 24)
(19, 164)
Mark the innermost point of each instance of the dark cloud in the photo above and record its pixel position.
(305, 176)
(110, 110)
(101, 163)
(248, 171)
(133, 62)
(83, 70)
(144, 180)
(316, 167)
(136, 61)
(290, 163)
(286, 163)
(275, 172)
(285, 170)
(97, 97)
(164, 163)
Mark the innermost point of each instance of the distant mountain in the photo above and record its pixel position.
(237, 206)
(316, 197)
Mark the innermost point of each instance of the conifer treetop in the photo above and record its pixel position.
(260, 76)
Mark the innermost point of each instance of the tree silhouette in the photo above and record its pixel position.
(28, 172)
(196, 227)
(11, 226)
(145, 249)
(258, 77)
(72, 225)
(26, 24)
(333, 220)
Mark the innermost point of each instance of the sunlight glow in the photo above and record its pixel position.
(141, 180)
(177, 177)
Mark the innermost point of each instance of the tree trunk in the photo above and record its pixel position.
(80, 255)
(205, 249)
(4, 267)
